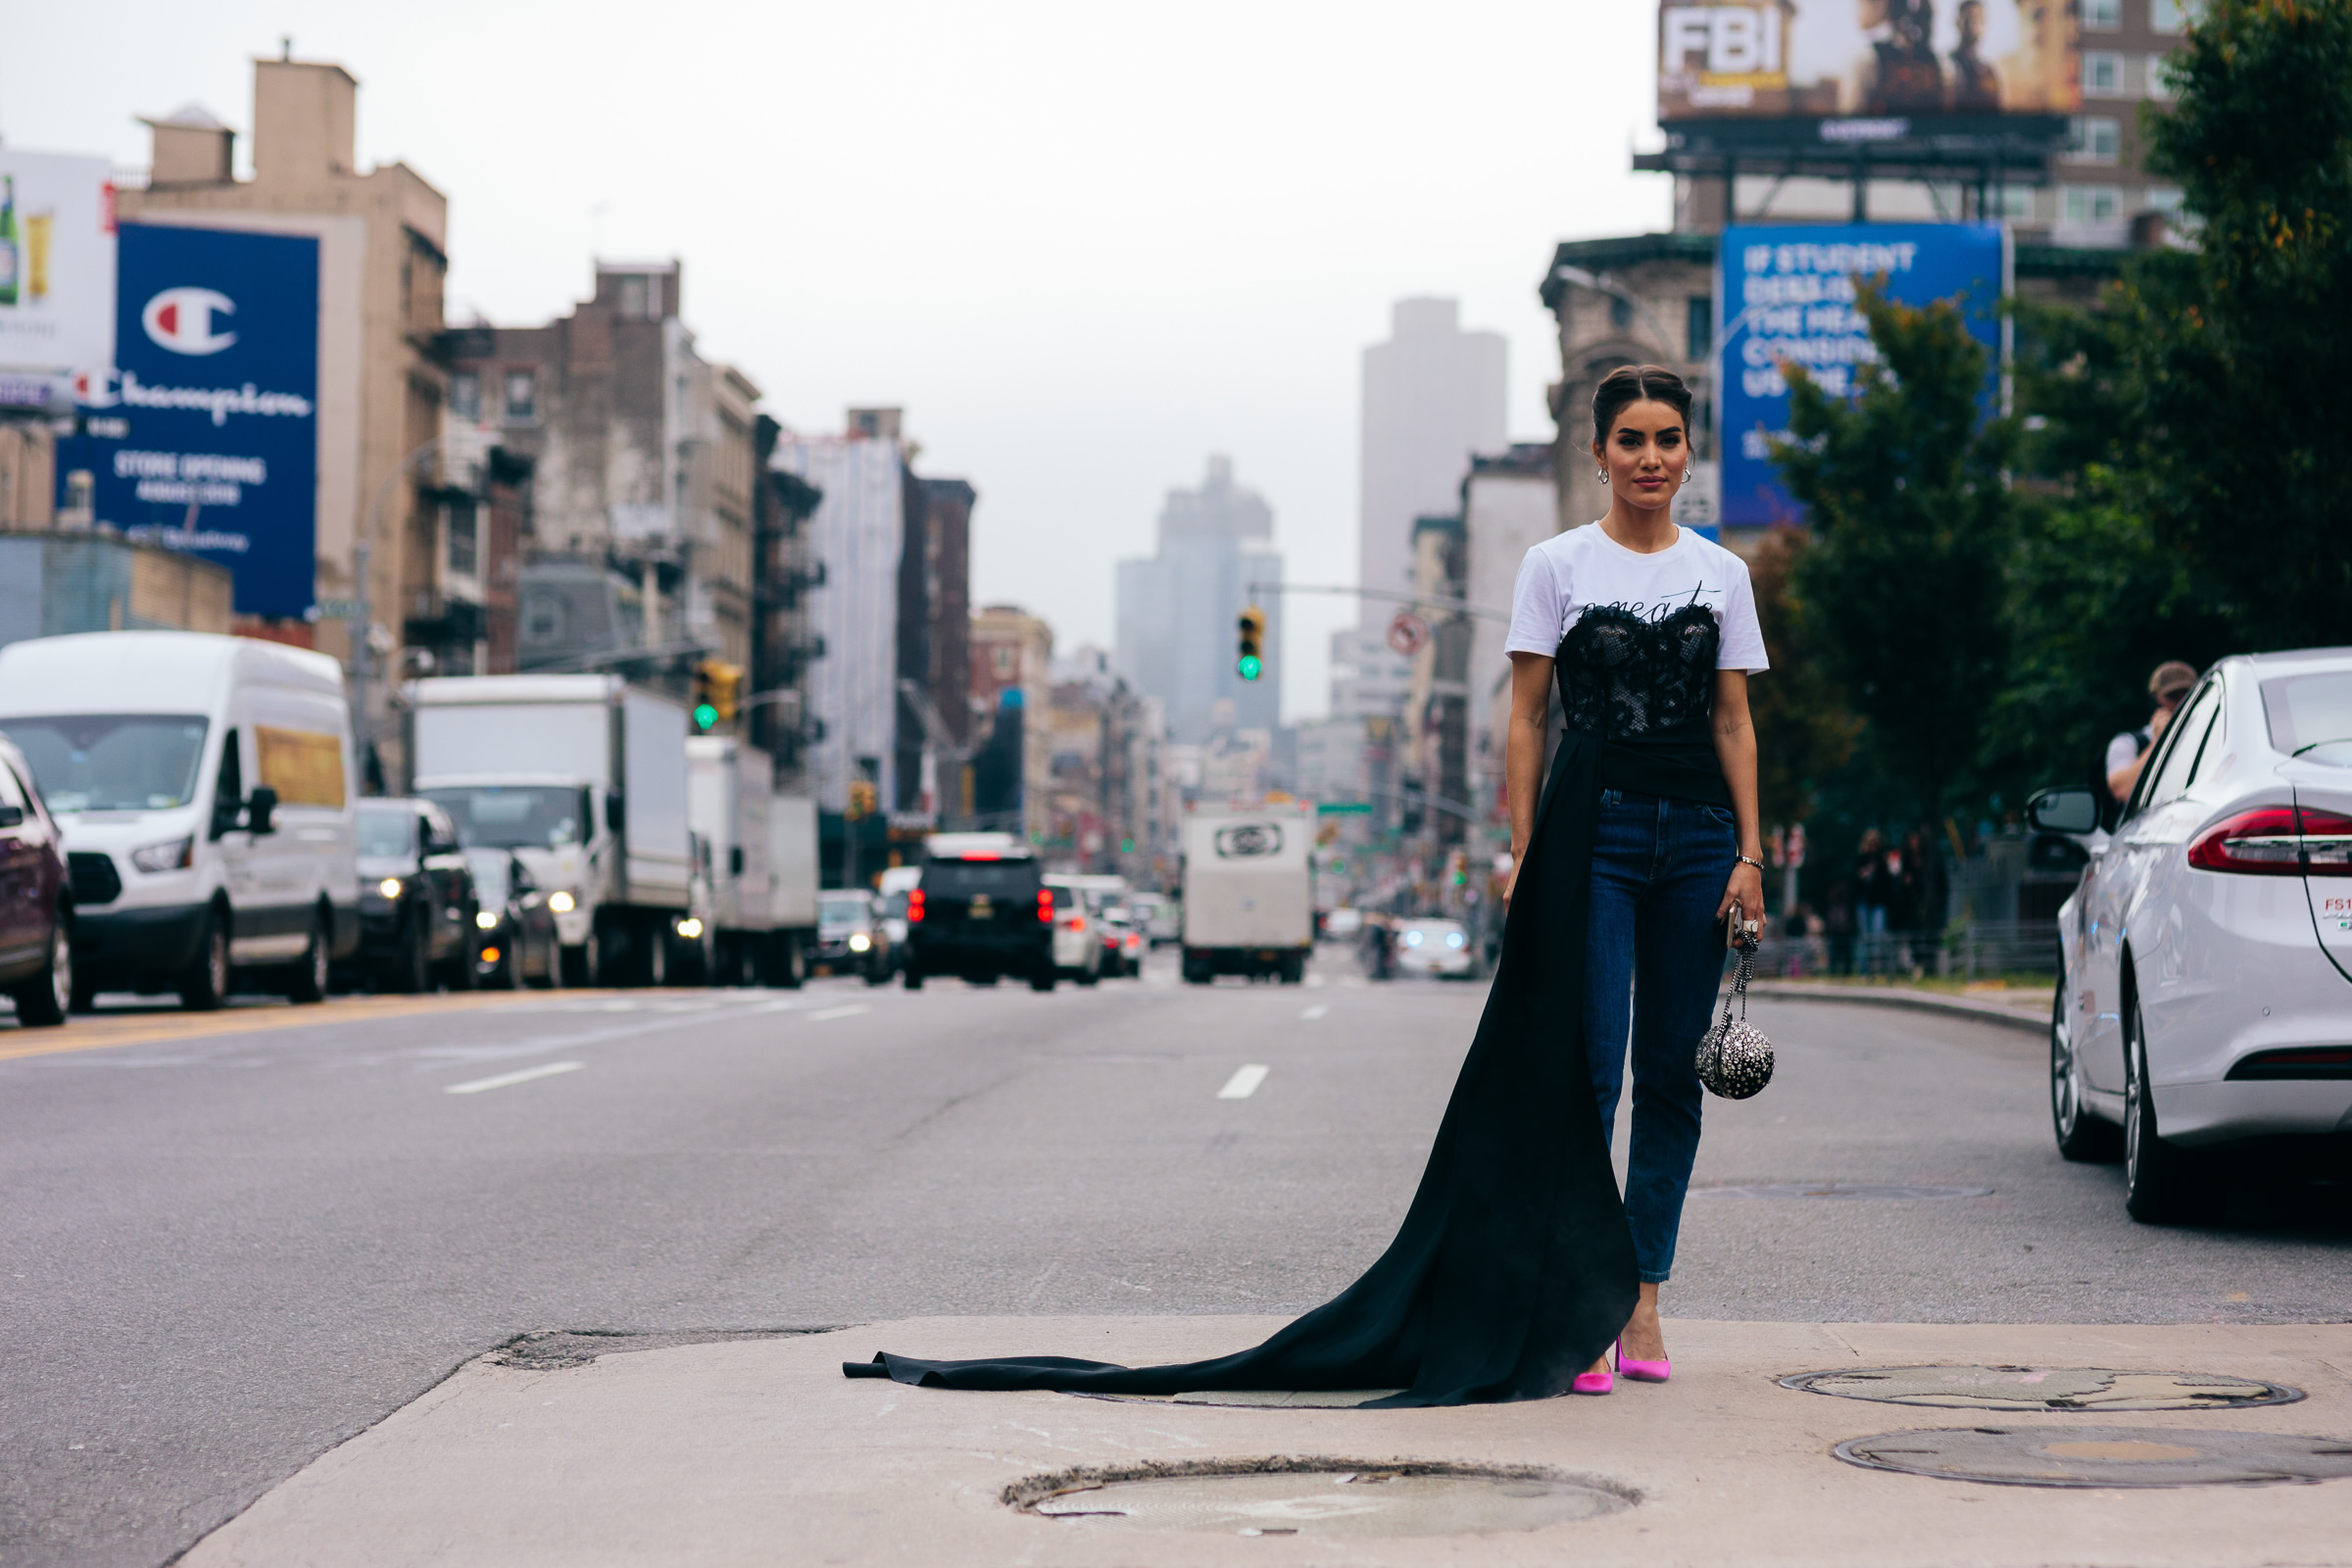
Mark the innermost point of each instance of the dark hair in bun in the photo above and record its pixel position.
(1637, 384)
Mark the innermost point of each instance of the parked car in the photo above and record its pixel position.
(850, 939)
(417, 897)
(203, 787)
(2204, 998)
(37, 899)
(896, 884)
(1159, 918)
(1433, 946)
(515, 939)
(1122, 947)
(983, 911)
(1077, 948)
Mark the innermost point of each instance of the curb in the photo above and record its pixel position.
(1992, 1012)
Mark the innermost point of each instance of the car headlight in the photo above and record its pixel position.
(860, 942)
(561, 901)
(1453, 939)
(487, 919)
(176, 855)
(1413, 939)
(690, 928)
(389, 887)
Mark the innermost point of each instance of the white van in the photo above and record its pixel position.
(204, 788)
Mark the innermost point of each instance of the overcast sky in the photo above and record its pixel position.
(1084, 245)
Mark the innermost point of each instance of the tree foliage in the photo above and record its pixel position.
(1804, 731)
(1913, 524)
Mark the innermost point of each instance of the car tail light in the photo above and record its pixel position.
(914, 907)
(1045, 906)
(2271, 841)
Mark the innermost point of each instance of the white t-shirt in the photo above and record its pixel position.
(1570, 573)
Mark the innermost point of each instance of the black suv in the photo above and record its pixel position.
(981, 916)
(417, 897)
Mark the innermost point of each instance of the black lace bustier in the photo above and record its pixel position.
(1623, 675)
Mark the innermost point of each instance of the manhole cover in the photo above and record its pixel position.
(2102, 1456)
(1850, 1191)
(2044, 1388)
(1259, 1398)
(1322, 1498)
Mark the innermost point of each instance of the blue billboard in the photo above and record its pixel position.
(1785, 296)
(204, 437)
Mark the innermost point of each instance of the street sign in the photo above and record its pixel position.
(1344, 808)
(1406, 633)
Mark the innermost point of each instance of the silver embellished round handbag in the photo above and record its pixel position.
(1735, 1059)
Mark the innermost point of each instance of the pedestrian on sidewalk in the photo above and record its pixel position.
(1519, 1264)
(2169, 687)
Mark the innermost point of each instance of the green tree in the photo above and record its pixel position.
(2238, 350)
(1804, 730)
(1905, 579)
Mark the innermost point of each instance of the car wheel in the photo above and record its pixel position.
(911, 978)
(795, 964)
(1087, 977)
(205, 985)
(580, 964)
(460, 970)
(410, 968)
(1043, 980)
(2158, 1177)
(2082, 1136)
(306, 983)
(44, 1001)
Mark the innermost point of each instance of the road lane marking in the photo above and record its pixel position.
(504, 1079)
(828, 1014)
(1244, 1083)
(1313, 1013)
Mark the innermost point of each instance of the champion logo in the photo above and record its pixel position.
(182, 319)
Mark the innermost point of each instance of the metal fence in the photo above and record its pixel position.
(1964, 951)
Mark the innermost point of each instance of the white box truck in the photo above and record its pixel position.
(792, 879)
(762, 870)
(1249, 893)
(584, 778)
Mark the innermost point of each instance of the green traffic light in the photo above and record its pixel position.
(704, 716)
(1251, 667)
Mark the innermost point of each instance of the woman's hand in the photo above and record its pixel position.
(1747, 888)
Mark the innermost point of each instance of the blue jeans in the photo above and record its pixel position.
(1653, 963)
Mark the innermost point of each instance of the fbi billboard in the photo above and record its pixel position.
(204, 436)
(1833, 59)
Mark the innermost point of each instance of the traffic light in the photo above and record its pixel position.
(717, 685)
(705, 710)
(1252, 663)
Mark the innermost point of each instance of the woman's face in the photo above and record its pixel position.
(1646, 454)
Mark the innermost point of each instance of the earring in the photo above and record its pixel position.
(1602, 474)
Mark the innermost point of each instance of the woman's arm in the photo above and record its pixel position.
(1523, 753)
(1736, 750)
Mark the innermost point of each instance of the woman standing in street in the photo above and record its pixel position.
(1651, 633)
(1516, 1268)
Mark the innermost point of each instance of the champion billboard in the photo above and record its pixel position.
(205, 436)
(1789, 295)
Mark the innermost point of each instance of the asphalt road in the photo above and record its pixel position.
(227, 1244)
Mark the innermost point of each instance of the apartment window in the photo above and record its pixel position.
(2102, 16)
(2013, 202)
(465, 396)
(1621, 311)
(1698, 315)
(2164, 199)
(522, 396)
(462, 526)
(2091, 204)
(2171, 17)
(2160, 78)
(2102, 73)
(2095, 139)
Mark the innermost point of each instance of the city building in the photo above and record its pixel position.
(27, 474)
(1433, 395)
(56, 582)
(1436, 780)
(642, 461)
(1011, 769)
(382, 238)
(1111, 808)
(1179, 612)
(934, 650)
(785, 645)
(1508, 508)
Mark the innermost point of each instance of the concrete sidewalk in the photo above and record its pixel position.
(760, 1451)
(2025, 1010)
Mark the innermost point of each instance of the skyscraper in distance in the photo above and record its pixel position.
(1433, 395)
(1179, 612)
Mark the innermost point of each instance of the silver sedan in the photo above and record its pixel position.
(2205, 993)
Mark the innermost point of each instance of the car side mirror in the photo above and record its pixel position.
(260, 809)
(12, 817)
(735, 861)
(617, 814)
(2063, 812)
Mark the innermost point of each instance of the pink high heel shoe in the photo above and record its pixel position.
(1593, 1383)
(1641, 1371)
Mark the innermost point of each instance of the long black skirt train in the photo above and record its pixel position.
(1513, 1270)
